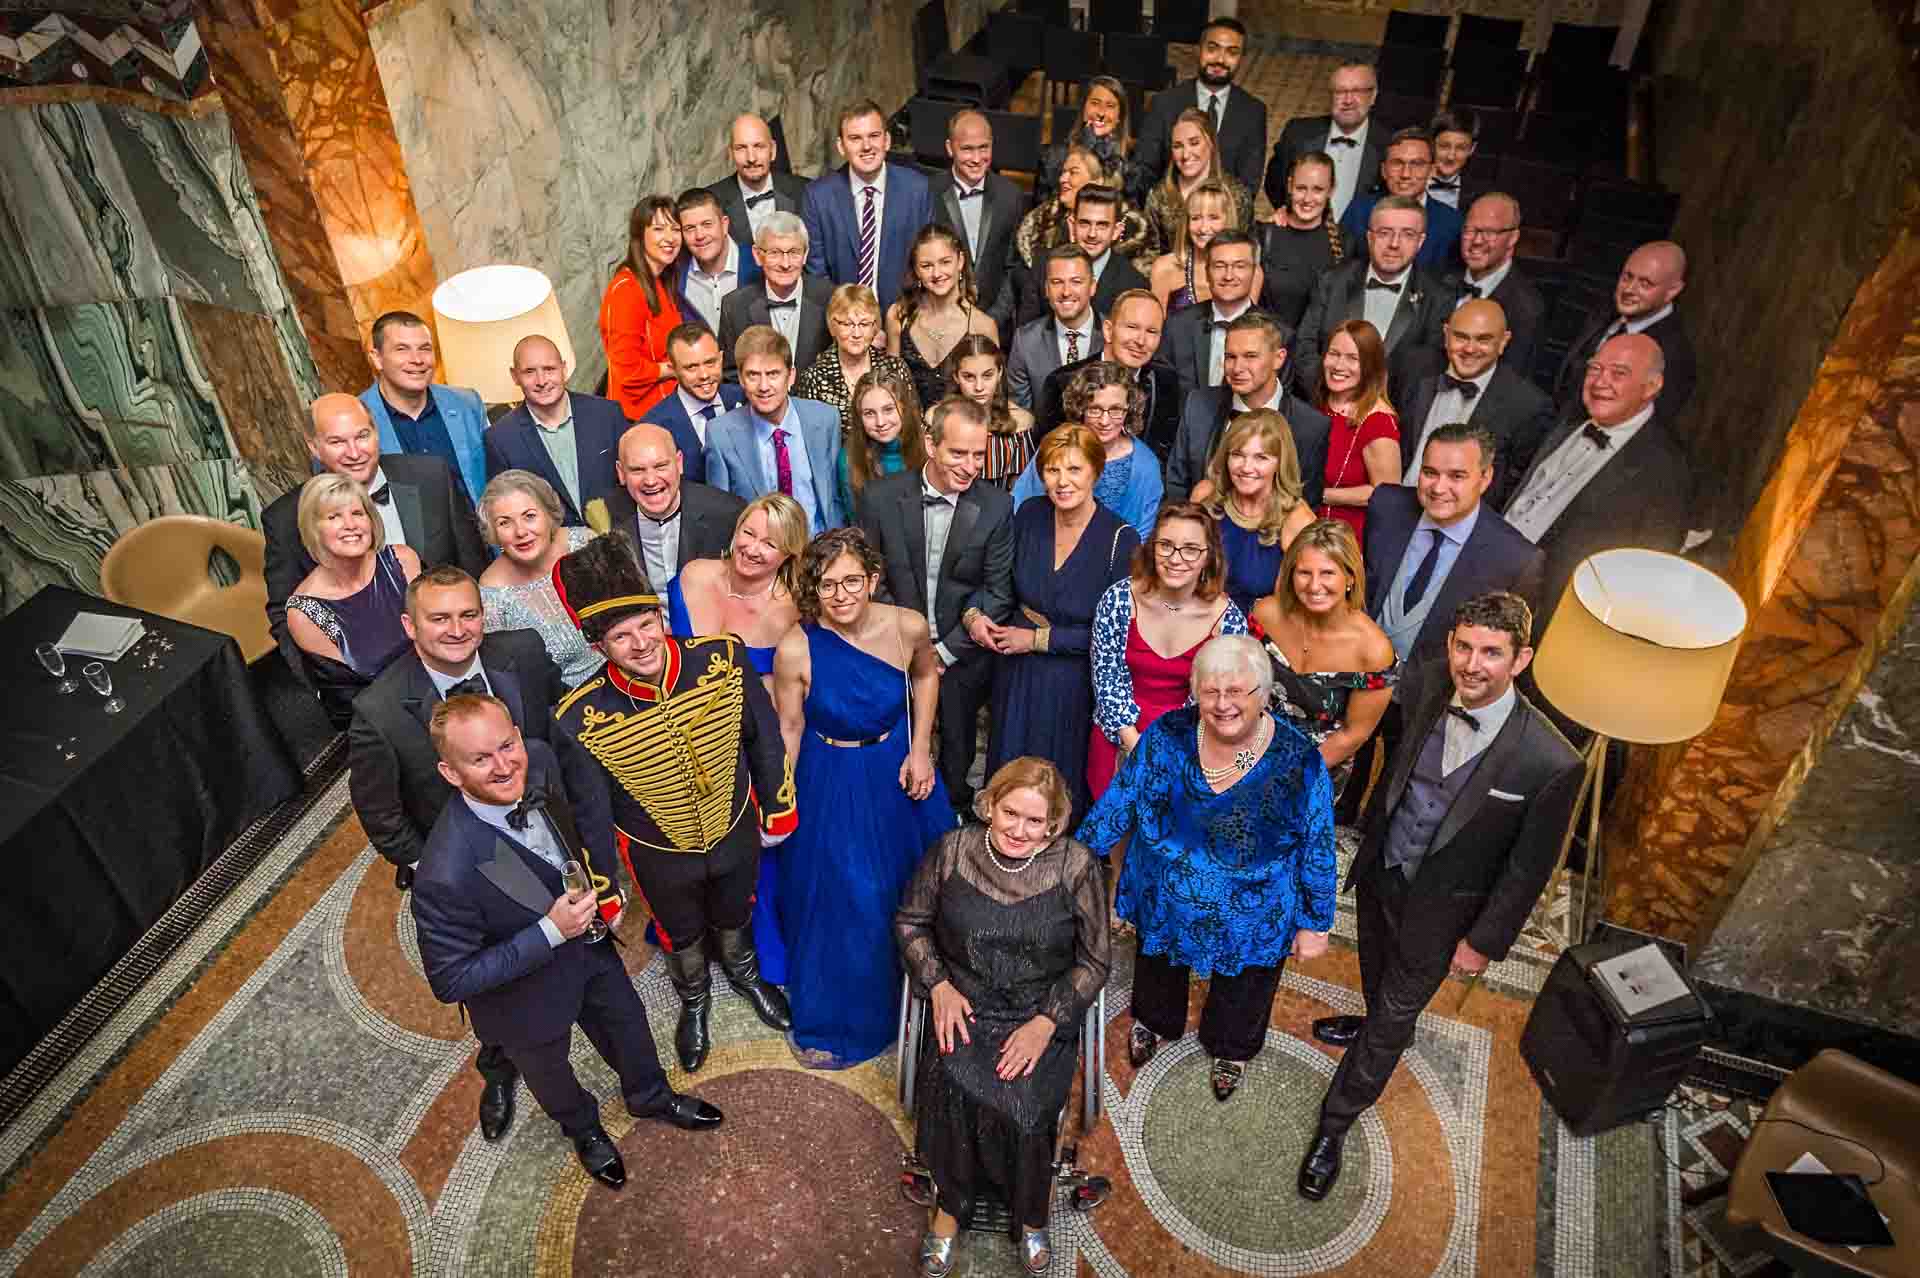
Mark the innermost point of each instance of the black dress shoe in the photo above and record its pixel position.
(741, 963)
(692, 1040)
(1321, 1167)
(1338, 1031)
(496, 1109)
(1225, 1077)
(403, 877)
(688, 1113)
(600, 1158)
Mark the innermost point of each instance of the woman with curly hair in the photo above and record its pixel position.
(1105, 397)
(856, 685)
(937, 308)
(976, 368)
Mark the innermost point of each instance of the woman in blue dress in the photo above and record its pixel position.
(1253, 492)
(748, 593)
(1231, 867)
(856, 685)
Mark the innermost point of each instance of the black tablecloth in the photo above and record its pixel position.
(106, 820)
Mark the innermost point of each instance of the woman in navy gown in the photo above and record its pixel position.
(1067, 549)
(856, 685)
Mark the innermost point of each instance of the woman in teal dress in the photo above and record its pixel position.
(856, 685)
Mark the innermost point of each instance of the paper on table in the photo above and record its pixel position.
(1810, 1164)
(1641, 979)
(92, 634)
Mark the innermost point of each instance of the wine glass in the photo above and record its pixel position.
(102, 680)
(56, 663)
(577, 881)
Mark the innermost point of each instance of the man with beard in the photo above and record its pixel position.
(1239, 118)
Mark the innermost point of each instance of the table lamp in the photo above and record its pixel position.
(1639, 650)
(482, 313)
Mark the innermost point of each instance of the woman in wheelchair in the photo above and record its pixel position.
(1005, 927)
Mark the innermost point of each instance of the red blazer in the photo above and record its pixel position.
(635, 338)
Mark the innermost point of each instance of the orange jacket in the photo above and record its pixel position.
(638, 376)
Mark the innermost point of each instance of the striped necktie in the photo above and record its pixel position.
(869, 241)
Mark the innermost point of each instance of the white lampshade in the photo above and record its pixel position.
(1640, 646)
(482, 314)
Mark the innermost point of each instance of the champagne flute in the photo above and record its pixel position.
(56, 663)
(576, 880)
(102, 680)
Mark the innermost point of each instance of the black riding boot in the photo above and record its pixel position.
(741, 962)
(688, 970)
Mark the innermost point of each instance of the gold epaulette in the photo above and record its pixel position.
(566, 702)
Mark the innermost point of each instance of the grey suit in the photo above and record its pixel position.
(1035, 352)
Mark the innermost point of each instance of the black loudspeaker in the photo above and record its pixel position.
(1597, 1069)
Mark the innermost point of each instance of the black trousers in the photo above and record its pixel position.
(964, 688)
(494, 1065)
(1385, 740)
(615, 1022)
(1398, 983)
(1233, 1022)
(687, 893)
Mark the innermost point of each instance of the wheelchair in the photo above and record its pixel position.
(1084, 1191)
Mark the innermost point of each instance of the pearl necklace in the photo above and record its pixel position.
(1025, 864)
(1243, 759)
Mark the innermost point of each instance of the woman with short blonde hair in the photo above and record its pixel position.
(344, 616)
(854, 322)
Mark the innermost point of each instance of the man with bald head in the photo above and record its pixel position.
(1479, 387)
(982, 208)
(755, 188)
(1643, 298)
(671, 518)
(563, 436)
(1487, 244)
(420, 500)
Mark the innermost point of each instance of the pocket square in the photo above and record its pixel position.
(1502, 794)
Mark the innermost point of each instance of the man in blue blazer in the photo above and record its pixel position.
(568, 439)
(500, 933)
(713, 264)
(699, 399)
(893, 205)
(413, 414)
(1404, 170)
(774, 442)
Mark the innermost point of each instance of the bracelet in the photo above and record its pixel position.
(1042, 638)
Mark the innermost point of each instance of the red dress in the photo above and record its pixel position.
(1347, 468)
(635, 338)
(1160, 684)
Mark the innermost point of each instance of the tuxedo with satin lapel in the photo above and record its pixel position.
(1512, 409)
(1002, 205)
(671, 415)
(1186, 345)
(1412, 334)
(1525, 307)
(1241, 137)
(513, 443)
(707, 517)
(745, 307)
(1677, 383)
(789, 196)
(1309, 133)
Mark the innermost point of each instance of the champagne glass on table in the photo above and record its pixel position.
(56, 663)
(576, 880)
(102, 680)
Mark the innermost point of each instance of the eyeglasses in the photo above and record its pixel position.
(1391, 236)
(1094, 413)
(1485, 232)
(1186, 554)
(784, 255)
(851, 587)
(1225, 267)
(857, 324)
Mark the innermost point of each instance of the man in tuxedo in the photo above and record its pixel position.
(948, 546)
(1385, 287)
(1405, 172)
(1487, 243)
(1345, 133)
(1608, 476)
(699, 396)
(713, 264)
(862, 218)
(567, 438)
(755, 189)
(1132, 337)
(670, 518)
(413, 412)
(1643, 297)
(501, 934)
(1196, 339)
(1455, 847)
(1256, 362)
(1096, 221)
(982, 208)
(1478, 387)
(421, 503)
(393, 771)
(1455, 135)
(775, 442)
(1239, 118)
(792, 303)
(1067, 334)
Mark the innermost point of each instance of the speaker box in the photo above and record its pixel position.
(1595, 1068)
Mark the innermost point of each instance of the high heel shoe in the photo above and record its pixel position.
(936, 1255)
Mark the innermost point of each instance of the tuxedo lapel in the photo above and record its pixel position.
(413, 520)
(508, 871)
(1414, 742)
(421, 694)
(913, 517)
(1403, 312)
(1487, 772)
(505, 683)
(986, 220)
(1356, 307)
(950, 201)
(757, 309)
(965, 515)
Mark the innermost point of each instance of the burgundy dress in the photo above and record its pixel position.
(1347, 468)
(1160, 684)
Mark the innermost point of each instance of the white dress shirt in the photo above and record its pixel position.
(937, 509)
(390, 524)
(1378, 304)
(659, 546)
(970, 212)
(1493, 280)
(442, 682)
(1449, 405)
(1466, 743)
(786, 319)
(538, 838)
(1205, 98)
(1217, 340)
(859, 189)
(757, 213)
(1558, 479)
(1346, 164)
(1085, 330)
(706, 292)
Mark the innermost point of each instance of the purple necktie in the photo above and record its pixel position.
(869, 241)
(782, 462)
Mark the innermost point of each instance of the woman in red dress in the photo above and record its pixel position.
(638, 311)
(1363, 448)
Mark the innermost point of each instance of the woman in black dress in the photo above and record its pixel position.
(1004, 927)
(1303, 242)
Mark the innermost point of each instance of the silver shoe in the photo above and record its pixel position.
(1036, 1249)
(936, 1255)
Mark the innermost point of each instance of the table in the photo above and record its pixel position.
(106, 820)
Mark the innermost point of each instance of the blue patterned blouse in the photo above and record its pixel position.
(1219, 882)
(1113, 705)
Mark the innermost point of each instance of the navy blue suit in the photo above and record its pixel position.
(833, 228)
(671, 414)
(513, 443)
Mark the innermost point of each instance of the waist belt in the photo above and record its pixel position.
(854, 745)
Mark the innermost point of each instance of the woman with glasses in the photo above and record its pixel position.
(853, 318)
(1106, 398)
(856, 685)
(638, 311)
(1253, 492)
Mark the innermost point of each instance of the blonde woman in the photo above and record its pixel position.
(344, 616)
(1179, 278)
(853, 320)
(1195, 160)
(748, 591)
(1253, 491)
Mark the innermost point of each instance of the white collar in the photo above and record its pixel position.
(749, 191)
(927, 488)
(442, 682)
(1480, 381)
(879, 184)
(1494, 278)
(1279, 391)
(1619, 436)
(961, 188)
(1646, 322)
(1359, 135)
(1399, 282)
(729, 265)
(1492, 716)
(693, 406)
(1085, 328)
(795, 295)
(495, 815)
(1100, 263)
(378, 482)
(1220, 318)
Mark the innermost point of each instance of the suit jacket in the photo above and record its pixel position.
(789, 196)
(435, 514)
(1002, 206)
(749, 273)
(1439, 252)
(734, 465)
(1412, 335)
(1034, 353)
(1498, 843)
(1309, 133)
(707, 517)
(465, 418)
(833, 229)
(1677, 348)
(1186, 343)
(1526, 309)
(393, 772)
(1117, 277)
(975, 572)
(1513, 409)
(1203, 421)
(478, 898)
(672, 414)
(745, 307)
(1639, 498)
(1162, 422)
(513, 443)
(1241, 138)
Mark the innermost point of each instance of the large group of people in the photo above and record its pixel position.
(1220, 523)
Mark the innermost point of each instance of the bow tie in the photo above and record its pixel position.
(790, 304)
(934, 499)
(379, 495)
(1597, 437)
(1341, 140)
(1458, 712)
(1467, 390)
(1394, 287)
(471, 686)
(759, 199)
(1469, 290)
(1443, 184)
(974, 194)
(522, 812)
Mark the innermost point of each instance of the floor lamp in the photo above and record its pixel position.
(481, 314)
(1639, 650)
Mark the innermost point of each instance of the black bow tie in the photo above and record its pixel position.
(1458, 712)
(974, 194)
(1393, 287)
(1597, 437)
(379, 495)
(1443, 184)
(934, 499)
(1469, 290)
(471, 686)
(521, 813)
(759, 199)
(1468, 390)
(1342, 140)
(789, 304)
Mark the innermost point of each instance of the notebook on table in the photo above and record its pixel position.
(101, 637)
